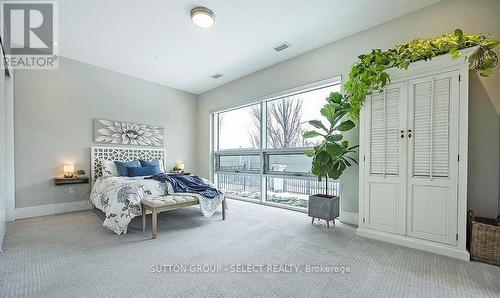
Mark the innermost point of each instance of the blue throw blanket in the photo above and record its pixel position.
(187, 184)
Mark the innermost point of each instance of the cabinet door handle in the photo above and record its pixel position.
(409, 133)
(402, 134)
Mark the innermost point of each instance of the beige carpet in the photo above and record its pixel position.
(72, 255)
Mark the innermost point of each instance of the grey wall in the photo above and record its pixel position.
(3, 138)
(498, 110)
(484, 150)
(337, 57)
(53, 123)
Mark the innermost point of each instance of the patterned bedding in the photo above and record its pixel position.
(120, 199)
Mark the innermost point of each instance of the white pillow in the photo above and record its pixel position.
(162, 166)
(108, 168)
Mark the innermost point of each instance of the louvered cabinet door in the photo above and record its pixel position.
(384, 183)
(432, 157)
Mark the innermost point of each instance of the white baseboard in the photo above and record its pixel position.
(348, 217)
(50, 209)
(441, 249)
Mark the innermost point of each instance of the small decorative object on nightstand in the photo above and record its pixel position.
(179, 168)
(79, 173)
(74, 180)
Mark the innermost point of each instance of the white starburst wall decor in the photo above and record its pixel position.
(127, 133)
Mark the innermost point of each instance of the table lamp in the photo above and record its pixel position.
(180, 167)
(69, 170)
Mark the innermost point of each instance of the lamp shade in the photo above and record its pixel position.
(180, 166)
(69, 168)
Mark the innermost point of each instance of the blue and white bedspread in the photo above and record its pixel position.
(120, 199)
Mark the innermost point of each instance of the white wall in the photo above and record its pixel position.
(54, 110)
(336, 59)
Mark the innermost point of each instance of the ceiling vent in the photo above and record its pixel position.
(216, 76)
(282, 47)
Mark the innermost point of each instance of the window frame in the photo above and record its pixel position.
(263, 151)
(268, 171)
(217, 157)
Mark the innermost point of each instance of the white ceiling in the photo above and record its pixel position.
(126, 35)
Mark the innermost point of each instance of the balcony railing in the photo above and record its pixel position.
(306, 186)
(283, 190)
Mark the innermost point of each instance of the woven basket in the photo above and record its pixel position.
(485, 240)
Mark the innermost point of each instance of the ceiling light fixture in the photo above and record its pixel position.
(202, 17)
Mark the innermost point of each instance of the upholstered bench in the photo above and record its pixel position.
(165, 203)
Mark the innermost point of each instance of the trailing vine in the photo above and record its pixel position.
(369, 73)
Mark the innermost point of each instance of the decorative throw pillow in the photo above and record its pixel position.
(156, 162)
(149, 163)
(122, 166)
(108, 168)
(142, 171)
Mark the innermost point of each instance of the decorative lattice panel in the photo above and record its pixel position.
(119, 153)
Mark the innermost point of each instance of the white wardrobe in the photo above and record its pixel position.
(413, 158)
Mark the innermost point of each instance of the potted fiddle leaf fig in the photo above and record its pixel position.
(332, 156)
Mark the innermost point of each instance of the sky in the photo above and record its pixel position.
(235, 131)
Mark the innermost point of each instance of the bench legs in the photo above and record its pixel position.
(154, 219)
(143, 218)
(224, 206)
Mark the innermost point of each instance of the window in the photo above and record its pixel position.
(239, 186)
(239, 128)
(287, 118)
(295, 192)
(258, 152)
(289, 163)
(239, 163)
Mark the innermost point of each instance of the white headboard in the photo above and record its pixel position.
(119, 153)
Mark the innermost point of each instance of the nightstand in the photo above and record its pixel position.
(65, 181)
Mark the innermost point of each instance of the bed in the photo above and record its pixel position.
(120, 197)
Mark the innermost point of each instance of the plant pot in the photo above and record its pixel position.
(324, 207)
